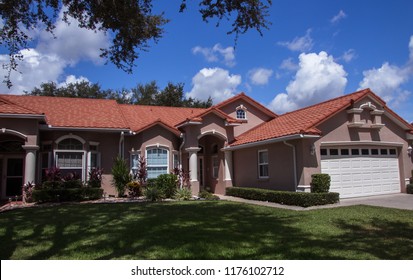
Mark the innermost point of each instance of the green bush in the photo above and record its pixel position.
(62, 195)
(320, 183)
(72, 184)
(284, 197)
(183, 194)
(409, 188)
(207, 195)
(152, 193)
(135, 189)
(51, 185)
(121, 176)
(167, 184)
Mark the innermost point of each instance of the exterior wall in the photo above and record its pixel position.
(280, 164)
(254, 116)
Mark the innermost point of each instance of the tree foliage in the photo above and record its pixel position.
(143, 94)
(132, 24)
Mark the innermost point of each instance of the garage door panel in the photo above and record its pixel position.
(362, 175)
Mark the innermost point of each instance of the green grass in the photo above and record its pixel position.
(204, 230)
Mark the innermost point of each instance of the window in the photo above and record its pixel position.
(333, 152)
(345, 152)
(215, 166)
(156, 162)
(69, 157)
(355, 152)
(392, 151)
(263, 164)
(134, 162)
(383, 151)
(241, 114)
(365, 152)
(323, 152)
(176, 160)
(375, 151)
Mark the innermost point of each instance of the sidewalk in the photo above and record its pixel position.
(398, 201)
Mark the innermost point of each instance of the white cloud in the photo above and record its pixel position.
(71, 79)
(226, 55)
(341, 15)
(49, 59)
(318, 78)
(260, 76)
(217, 83)
(289, 64)
(349, 55)
(387, 80)
(302, 44)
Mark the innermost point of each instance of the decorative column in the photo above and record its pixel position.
(228, 168)
(193, 169)
(30, 163)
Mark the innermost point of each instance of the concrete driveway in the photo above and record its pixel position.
(399, 201)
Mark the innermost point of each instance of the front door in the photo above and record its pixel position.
(11, 176)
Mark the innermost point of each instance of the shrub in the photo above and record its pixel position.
(284, 197)
(121, 176)
(207, 195)
(95, 178)
(167, 184)
(51, 185)
(28, 189)
(183, 194)
(409, 188)
(72, 181)
(320, 183)
(135, 189)
(61, 195)
(152, 193)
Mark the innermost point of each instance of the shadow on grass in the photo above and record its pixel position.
(201, 230)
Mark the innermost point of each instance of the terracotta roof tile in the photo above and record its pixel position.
(9, 107)
(73, 112)
(140, 117)
(302, 121)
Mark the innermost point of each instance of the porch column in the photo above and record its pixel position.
(228, 169)
(193, 169)
(30, 163)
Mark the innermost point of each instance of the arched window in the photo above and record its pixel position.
(157, 160)
(241, 112)
(70, 156)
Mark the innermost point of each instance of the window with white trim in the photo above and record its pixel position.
(134, 162)
(156, 162)
(93, 157)
(263, 164)
(215, 166)
(241, 112)
(69, 157)
(176, 162)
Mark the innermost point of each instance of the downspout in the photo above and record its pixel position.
(121, 141)
(180, 155)
(294, 163)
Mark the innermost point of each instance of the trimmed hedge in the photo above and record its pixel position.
(61, 195)
(409, 188)
(320, 183)
(284, 197)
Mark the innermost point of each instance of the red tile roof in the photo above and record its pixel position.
(302, 121)
(9, 107)
(141, 117)
(248, 99)
(73, 112)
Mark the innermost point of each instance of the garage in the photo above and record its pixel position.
(361, 171)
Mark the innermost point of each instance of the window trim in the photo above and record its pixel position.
(244, 110)
(162, 147)
(84, 153)
(263, 164)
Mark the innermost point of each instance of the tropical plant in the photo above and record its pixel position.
(134, 188)
(121, 176)
(95, 178)
(28, 189)
(152, 193)
(183, 194)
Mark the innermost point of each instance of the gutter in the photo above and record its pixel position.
(271, 141)
(23, 116)
(294, 163)
(94, 129)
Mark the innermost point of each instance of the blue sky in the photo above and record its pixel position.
(313, 51)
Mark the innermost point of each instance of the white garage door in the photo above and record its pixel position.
(359, 172)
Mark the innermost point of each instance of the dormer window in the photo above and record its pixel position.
(241, 112)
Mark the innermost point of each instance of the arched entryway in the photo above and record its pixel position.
(211, 163)
(11, 166)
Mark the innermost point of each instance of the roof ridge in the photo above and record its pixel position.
(367, 90)
(163, 106)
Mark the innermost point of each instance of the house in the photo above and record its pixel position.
(355, 138)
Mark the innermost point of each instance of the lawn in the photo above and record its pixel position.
(204, 230)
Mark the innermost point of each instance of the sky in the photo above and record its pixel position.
(314, 50)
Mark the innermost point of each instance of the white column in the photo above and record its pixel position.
(228, 165)
(193, 169)
(30, 163)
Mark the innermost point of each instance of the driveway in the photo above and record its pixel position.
(399, 201)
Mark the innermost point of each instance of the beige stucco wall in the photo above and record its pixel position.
(281, 171)
(254, 116)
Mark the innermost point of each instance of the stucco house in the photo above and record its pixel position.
(355, 138)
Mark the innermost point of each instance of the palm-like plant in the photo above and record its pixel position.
(121, 176)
